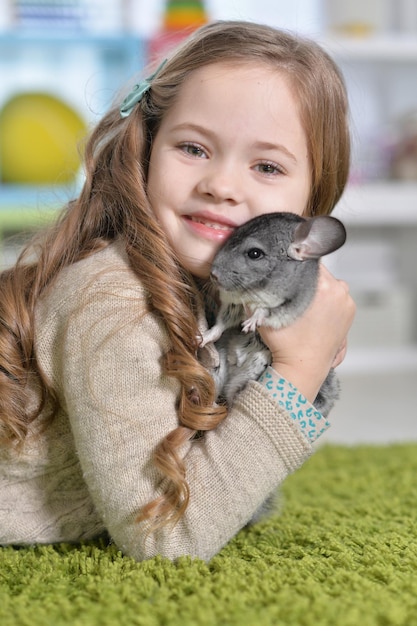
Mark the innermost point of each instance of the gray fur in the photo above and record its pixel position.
(267, 274)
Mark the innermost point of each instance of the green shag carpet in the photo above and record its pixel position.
(343, 552)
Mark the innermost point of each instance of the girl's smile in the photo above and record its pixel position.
(210, 226)
(230, 148)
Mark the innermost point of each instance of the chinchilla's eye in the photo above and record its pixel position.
(255, 253)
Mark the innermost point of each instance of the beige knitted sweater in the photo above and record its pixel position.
(91, 469)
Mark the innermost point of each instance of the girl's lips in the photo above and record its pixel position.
(209, 228)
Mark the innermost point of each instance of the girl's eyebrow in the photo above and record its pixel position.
(268, 146)
(258, 145)
(195, 127)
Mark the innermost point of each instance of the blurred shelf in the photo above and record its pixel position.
(372, 361)
(391, 48)
(27, 207)
(60, 36)
(115, 59)
(390, 203)
(127, 51)
(13, 197)
(104, 62)
(22, 219)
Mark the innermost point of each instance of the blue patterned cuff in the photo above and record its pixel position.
(311, 422)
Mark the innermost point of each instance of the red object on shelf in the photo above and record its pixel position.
(181, 18)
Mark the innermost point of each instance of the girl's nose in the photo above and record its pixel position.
(221, 185)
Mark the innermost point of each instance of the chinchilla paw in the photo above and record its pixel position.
(257, 318)
(212, 334)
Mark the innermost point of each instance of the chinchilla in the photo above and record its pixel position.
(266, 274)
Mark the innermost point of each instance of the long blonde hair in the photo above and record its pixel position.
(113, 204)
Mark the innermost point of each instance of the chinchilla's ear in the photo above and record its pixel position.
(316, 237)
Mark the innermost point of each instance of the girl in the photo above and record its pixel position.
(107, 409)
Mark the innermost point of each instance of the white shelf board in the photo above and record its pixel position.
(373, 48)
(391, 203)
(397, 360)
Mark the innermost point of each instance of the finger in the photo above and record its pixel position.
(327, 275)
(340, 355)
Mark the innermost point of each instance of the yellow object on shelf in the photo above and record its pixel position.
(39, 140)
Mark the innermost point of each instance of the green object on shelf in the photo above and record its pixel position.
(32, 206)
(21, 219)
(17, 225)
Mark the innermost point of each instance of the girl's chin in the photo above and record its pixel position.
(198, 265)
(198, 269)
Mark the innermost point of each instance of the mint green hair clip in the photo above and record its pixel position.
(138, 92)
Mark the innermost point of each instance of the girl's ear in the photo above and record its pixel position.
(316, 237)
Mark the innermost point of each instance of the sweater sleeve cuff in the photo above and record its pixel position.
(310, 421)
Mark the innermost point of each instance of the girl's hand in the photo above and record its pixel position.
(305, 351)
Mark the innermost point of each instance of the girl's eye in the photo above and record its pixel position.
(193, 150)
(270, 169)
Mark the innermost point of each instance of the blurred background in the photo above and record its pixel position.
(63, 62)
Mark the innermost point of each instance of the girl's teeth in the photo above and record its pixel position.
(214, 225)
